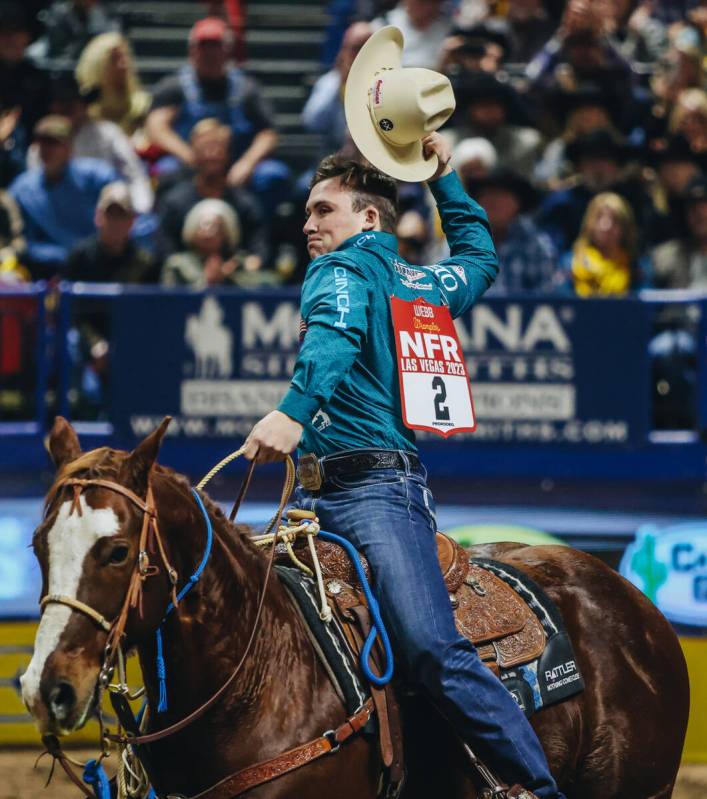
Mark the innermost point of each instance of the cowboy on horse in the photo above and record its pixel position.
(358, 465)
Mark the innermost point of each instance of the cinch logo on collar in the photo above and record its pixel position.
(363, 239)
(343, 304)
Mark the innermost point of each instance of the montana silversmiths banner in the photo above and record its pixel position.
(555, 371)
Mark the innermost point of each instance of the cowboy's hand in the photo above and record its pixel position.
(273, 437)
(435, 144)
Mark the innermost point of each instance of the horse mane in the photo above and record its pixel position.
(238, 531)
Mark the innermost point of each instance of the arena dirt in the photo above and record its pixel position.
(18, 779)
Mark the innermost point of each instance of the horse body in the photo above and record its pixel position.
(621, 737)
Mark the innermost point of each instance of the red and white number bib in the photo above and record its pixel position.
(434, 384)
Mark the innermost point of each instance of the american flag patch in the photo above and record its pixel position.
(302, 330)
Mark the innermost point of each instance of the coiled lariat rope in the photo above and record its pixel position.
(220, 465)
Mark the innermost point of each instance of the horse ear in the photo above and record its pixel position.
(139, 462)
(62, 443)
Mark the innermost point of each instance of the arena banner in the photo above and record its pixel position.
(549, 371)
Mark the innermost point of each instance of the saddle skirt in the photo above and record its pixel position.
(504, 629)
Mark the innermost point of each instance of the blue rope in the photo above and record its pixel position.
(377, 628)
(191, 582)
(94, 775)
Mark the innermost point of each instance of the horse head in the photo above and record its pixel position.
(89, 549)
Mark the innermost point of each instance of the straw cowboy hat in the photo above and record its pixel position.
(389, 109)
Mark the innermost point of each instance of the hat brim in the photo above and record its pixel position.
(383, 50)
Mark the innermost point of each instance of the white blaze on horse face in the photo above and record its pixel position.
(68, 542)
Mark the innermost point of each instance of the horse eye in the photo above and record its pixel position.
(119, 555)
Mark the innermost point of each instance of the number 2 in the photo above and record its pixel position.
(441, 411)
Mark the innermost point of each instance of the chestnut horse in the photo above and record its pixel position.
(621, 737)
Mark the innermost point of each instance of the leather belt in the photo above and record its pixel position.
(312, 471)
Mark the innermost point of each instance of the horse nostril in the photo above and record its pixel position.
(62, 699)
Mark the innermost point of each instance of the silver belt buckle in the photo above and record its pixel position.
(308, 472)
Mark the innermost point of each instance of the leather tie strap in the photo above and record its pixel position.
(248, 778)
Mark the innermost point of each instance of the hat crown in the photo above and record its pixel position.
(408, 103)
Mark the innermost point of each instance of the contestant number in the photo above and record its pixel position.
(441, 410)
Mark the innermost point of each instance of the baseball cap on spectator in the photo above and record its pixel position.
(209, 29)
(510, 181)
(64, 88)
(54, 127)
(477, 149)
(474, 87)
(675, 149)
(586, 94)
(598, 144)
(116, 195)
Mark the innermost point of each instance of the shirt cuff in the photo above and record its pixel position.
(299, 406)
(447, 188)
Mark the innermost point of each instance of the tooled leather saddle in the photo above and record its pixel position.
(505, 631)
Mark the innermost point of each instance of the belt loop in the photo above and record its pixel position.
(406, 461)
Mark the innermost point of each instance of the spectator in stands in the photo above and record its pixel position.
(209, 87)
(682, 262)
(600, 160)
(527, 257)
(425, 25)
(604, 257)
(582, 111)
(69, 25)
(482, 48)
(106, 66)
(473, 159)
(633, 29)
(689, 118)
(680, 68)
(492, 109)
(12, 152)
(24, 89)
(111, 256)
(210, 143)
(529, 29)
(12, 242)
(413, 235)
(323, 112)
(212, 233)
(57, 199)
(675, 165)
(581, 52)
(99, 139)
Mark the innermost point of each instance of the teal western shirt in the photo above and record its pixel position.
(345, 388)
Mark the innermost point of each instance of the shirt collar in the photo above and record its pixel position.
(370, 240)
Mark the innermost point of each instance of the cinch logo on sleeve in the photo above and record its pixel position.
(343, 304)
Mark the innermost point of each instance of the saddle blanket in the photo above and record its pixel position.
(327, 637)
(546, 680)
(554, 675)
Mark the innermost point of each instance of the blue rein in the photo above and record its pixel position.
(191, 582)
(377, 627)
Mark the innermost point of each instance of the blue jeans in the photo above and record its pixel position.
(388, 514)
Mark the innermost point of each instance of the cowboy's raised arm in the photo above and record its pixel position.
(473, 264)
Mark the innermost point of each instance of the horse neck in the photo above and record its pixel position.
(206, 636)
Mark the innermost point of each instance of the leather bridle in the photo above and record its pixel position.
(251, 776)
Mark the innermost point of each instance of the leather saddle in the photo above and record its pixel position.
(505, 631)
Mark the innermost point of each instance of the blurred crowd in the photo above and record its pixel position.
(581, 128)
